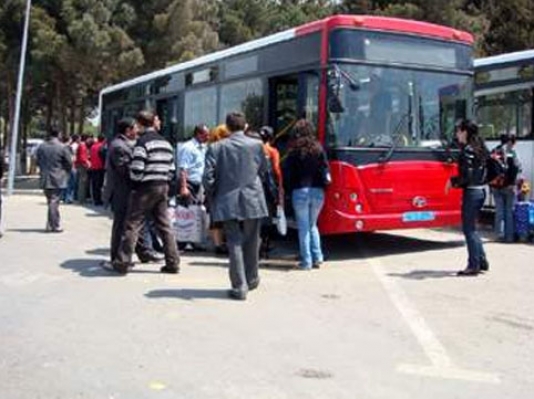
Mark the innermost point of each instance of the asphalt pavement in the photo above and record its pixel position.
(385, 317)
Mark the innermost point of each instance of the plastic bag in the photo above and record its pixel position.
(281, 221)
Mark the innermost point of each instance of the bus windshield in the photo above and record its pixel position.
(383, 107)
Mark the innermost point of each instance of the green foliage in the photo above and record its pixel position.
(79, 46)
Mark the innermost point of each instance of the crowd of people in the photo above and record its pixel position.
(236, 172)
(135, 174)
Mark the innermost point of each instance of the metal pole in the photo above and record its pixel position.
(16, 119)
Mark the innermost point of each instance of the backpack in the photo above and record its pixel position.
(496, 169)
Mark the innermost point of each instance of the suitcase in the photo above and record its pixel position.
(523, 219)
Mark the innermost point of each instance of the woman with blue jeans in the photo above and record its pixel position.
(471, 179)
(308, 174)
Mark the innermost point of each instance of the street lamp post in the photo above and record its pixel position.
(16, 119)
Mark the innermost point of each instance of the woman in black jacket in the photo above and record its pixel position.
(308, 175)
(471, 179)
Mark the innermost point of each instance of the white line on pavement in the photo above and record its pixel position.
(442, 365)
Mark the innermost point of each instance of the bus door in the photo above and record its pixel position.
(166, 109)
(291, 97)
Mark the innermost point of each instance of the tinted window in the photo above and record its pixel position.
(393, 106)
(245, 96)
(200, 107)
(398, 48)
(522, 73)
(505, 113)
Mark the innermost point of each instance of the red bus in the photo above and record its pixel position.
(384, 93)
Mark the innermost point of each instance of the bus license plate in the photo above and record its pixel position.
(418, 216)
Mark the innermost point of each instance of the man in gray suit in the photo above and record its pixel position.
(233, 184)
(55, 163)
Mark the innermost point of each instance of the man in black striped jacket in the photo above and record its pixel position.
(151, 171)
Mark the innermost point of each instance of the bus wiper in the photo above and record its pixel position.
(396, 138)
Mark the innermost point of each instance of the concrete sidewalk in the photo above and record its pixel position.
(385, 318)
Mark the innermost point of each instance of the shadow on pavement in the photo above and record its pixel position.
(43, 231)
(98, 251)
(270, 264)
(100, 268)
(425, 274)
(88, 268)
(375, 245)
(188, 294)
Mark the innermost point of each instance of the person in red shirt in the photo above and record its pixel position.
(97, 170)
(82, 165)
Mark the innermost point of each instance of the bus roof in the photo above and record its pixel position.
(355, 21)
(504, 58)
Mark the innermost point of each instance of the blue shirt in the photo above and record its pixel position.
(191, 158)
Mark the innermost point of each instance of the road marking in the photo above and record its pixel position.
(442, 365)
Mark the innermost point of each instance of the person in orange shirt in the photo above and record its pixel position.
(267, 136)
(274, 195)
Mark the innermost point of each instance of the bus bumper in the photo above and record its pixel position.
(341, 223)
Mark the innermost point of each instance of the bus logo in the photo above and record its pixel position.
(419, 202)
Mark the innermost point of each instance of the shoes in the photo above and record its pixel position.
(221, 250)
(150, 257)
(170, 269)
(317, 265)
(58, 230)
(121, 268)
(467, 272)
(238, 295)
(484, 265)
(253, 284)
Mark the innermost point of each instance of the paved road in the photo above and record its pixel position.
(385, 318)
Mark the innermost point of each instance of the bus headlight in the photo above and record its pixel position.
(353, 197)
(358, 208)
(359, 225)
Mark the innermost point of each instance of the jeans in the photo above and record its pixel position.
(307, 203)
(68, 193)
(472, 201)
(504, 213)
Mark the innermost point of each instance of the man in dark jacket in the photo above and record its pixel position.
(151, 171)
(55, 163)
(233, 186)
(117, 188)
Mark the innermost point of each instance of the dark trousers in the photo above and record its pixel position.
(472, 202)
(148, 200)
(81, 184)
(97, 181)
(0, 212)
(242, 239)
(119, 207)
(53, 197)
